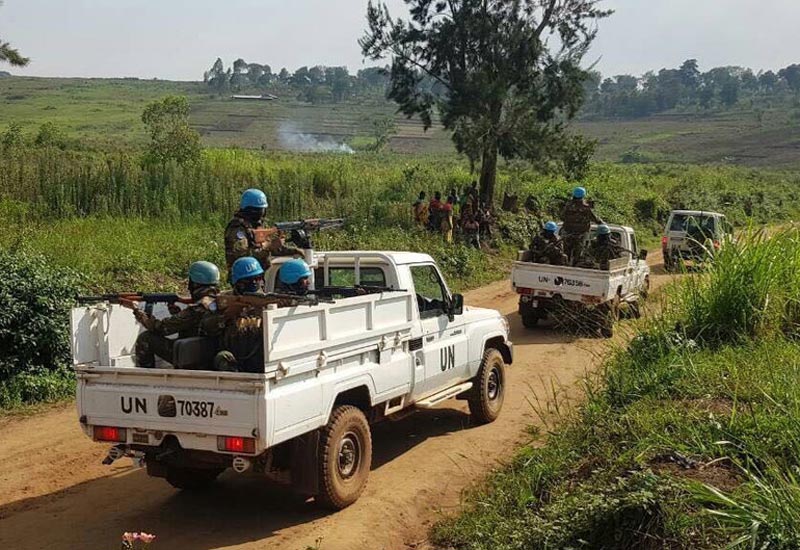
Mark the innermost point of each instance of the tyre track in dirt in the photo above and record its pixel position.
(55, 494)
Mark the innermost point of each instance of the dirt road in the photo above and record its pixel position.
(54, 493)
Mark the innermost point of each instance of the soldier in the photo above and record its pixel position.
(547, 247)
(421, 210)
(239, 238)
(203, 286)
(242, 338)
(295, 277)
(578, 217)
(605, 248)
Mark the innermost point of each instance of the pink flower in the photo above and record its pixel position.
(129, 537)
(146, 538)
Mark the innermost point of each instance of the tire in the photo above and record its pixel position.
(345, 458)
(488, 392)
(529, 318)
(191, 479)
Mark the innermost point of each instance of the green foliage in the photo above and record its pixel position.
(489, 71)
(171, 137)
(12, 137)
(35, 297)
(50, 135)
(680, 443)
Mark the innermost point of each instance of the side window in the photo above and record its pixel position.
(431, 297)
(346, 276)
(634, 246)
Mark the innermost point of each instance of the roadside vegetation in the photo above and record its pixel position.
(688, 438)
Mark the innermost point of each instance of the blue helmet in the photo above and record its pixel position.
(603, 230)
(253, 198)
(294, 270)
(551, 227)
(246, 268)
(579, 193)
(204, 273)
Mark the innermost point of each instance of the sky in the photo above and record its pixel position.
(179, 39)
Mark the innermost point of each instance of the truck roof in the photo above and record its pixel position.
(397, 258)
(697, 213)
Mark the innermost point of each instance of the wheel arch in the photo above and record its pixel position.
(499, 343)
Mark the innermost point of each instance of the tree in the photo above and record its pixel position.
(767, 81)
(504, 75)
(171, 137)
(383, 128)
(12, 137)
(50, 135)
(11, 55)
(217, 78)
(791, 75)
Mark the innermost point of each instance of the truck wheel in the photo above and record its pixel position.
(488, 392)
(191, 479)
(529, 318)
(345, 457)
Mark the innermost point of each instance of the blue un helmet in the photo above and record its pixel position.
(603, 229)
(551, 227)
(253, 198)
(579, 193)
(246, 268)
(292, 271)
(204, 273)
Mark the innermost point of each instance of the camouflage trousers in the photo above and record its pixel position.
(148, 346)
(573, 246)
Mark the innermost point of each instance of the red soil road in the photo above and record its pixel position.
(54, 493)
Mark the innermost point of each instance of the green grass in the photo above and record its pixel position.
(105, 113)
(689, 438)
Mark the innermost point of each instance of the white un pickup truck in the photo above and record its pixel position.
(330, 370)
(593, 295)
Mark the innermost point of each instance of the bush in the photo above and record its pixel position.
(35, 298)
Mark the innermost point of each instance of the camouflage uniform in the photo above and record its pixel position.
(548, 249)
(578, 217)
(242, 343)
(200, 318)
(603, 251)
(240, 242)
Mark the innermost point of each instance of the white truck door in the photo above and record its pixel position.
(444, 353)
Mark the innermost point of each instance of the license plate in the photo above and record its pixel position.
(535, 303)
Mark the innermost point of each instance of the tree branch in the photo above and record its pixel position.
(546, 17)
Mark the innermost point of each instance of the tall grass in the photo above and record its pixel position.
(688, 438)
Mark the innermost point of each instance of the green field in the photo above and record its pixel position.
(105, 113)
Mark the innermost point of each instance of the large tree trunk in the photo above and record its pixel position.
(488, 173)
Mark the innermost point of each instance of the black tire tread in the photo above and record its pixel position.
(477, 406)
(327, 496)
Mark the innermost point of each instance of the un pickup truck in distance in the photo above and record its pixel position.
(330, 371)
(593, 294)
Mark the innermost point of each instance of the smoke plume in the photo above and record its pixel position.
(293, 139)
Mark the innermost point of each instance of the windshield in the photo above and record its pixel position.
(689, 222)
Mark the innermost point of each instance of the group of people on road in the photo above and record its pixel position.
(465, 215)
(566, 245)
(238, 340)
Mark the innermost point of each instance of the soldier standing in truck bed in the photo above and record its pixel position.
(240, 240)
(578, 217)
(547, 247)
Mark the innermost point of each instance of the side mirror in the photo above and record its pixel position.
(643, 255)
(456, 305)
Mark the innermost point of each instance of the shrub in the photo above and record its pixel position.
(35, 298)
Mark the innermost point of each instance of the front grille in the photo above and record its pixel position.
(415, 344)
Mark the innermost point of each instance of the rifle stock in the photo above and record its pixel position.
(269, 234)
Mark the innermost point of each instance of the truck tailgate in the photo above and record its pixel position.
(193, 402)
(564, 280)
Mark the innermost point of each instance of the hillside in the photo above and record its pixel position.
(105, 112)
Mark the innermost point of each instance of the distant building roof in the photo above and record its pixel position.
(264, 97)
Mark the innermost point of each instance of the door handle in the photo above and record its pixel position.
(430, 338)
(456, 333)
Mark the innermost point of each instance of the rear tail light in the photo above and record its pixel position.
(246, 445)
(664, 242)
(525, 291)
(109, 433)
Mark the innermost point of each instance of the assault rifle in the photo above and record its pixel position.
(351, 291)
(232, 305)
(131, 300)
(298, 230)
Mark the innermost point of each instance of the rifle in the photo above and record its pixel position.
(298, 230)
(131, 300)
(351, 291)
(232, 305)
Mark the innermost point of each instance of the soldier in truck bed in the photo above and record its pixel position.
(240, 240)
(547, 247)
(199, 318)
(578, 217)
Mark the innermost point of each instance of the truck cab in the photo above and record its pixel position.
(330, 370)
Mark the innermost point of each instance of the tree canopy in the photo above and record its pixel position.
(10, 55)
(504, 76)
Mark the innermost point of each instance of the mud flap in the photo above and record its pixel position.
(305, 464)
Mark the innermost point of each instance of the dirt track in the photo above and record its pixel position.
(55, 494)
